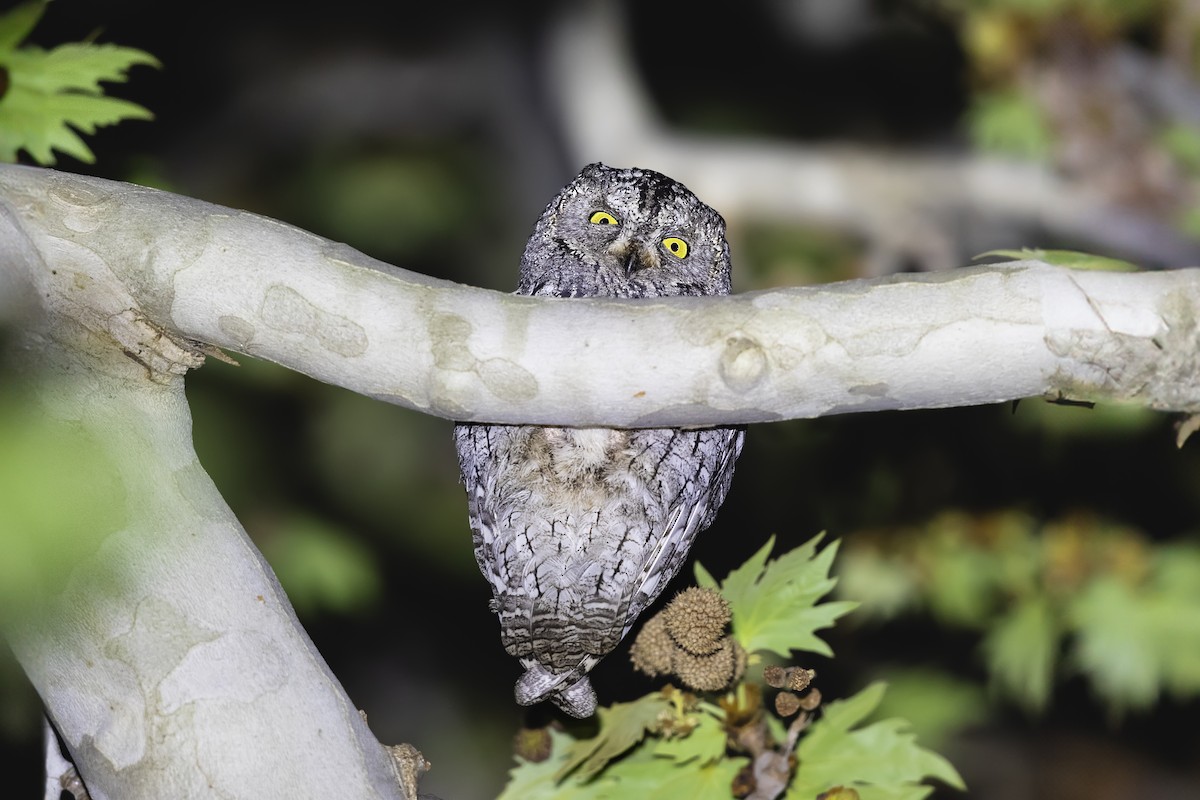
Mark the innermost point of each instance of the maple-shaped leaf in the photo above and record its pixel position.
(51, 94)
(646, 775)
(881, 760)
(1021, 650)
(535, 780)
(704, 743)
(774, 603)
(622, 725)
(620, 763)
(1116, 643)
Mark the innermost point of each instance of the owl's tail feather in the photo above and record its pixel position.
(571, 691)
(578, 699)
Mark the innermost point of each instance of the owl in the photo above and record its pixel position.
(579, 529)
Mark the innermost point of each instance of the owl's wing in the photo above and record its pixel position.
(475, 443)
(692, 512)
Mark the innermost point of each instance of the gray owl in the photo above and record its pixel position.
(579, 529)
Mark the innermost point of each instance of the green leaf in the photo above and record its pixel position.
(961, 591)
(622, 725)
(883, 587)
(1009, 122)
(1135, 642)
(774, 603)
(1072, 259)
(706, 742)
(1182, 141)
(321, 566)
(1115, 643)
(881, 760)
(687, 768)
(18, 23)
(936, 704)
(663, 779)
(75, 66)
(703, 578)
(1021, 650)
(535, 780)
(52, 94)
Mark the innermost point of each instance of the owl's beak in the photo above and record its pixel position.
(638, 259)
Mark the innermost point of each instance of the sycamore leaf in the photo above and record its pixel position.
(622, 725)
(1021, 650)
(1116, 643)
(1133, 643)
(644, 775)
(1009, 122)
(883, 587)
(1064, 258)
(19, 22)
(538, 780)
(52, 94)
(706, 742)
(937, 705)
(667, 772)
(774, 603)
(880, 760)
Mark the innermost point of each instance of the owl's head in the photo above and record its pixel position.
(626, 233)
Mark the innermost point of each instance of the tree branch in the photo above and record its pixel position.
(250, 284)
(164, 649)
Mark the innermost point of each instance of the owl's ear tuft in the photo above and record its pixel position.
(594, 170)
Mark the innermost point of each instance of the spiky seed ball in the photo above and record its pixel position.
(786, 704)
(739, 660)
(708, 673)
(533, 744)
(653, 649)
(696, 620)
(774, 676)
(799, 678)
(839, 793)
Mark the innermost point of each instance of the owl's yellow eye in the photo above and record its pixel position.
(602, 218)
(675, 246)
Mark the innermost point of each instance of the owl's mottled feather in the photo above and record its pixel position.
(579, 529)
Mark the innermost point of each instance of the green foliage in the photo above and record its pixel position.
(1112, 12)
(1021, 650)
(672, 746)
(49, 92)
(1138, 640)
(60, 495)
(620, 762)
(1064, 258)
(622, 725)
(880, 760)
(1008, 122)
(936, 705)
(1182, 142)
(1075, 595)
(320, 566)
(774, 603)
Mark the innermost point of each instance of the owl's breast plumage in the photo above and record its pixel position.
(571, 526)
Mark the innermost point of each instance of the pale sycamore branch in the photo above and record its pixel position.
(129, 263)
